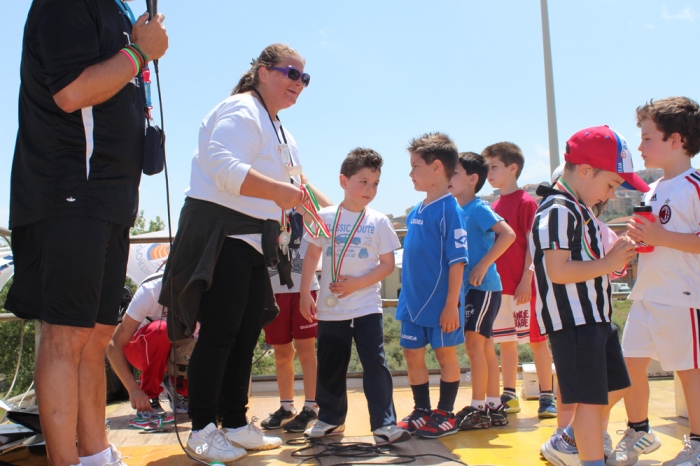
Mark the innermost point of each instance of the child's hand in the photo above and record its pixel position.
(641, 229)
(523, 293)
(449, 319)
(307, 306)
(344, 286)
(621, 253)
(476, 276)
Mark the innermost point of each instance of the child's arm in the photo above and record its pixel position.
(347, 285)
(562, 270)
(505, 237)
(654, 233)
(449, 318)
(307, 305)
(523, 292)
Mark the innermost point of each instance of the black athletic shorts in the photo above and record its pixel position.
(480, 311)
(69, 271)
(589, 363)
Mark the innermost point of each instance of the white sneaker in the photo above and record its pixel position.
(251, 438)
(390, 434)
(690, 456)
(322, 429)
(559, 452)
(632, 445)
(116, 456)
(607, 445)
(212, 445)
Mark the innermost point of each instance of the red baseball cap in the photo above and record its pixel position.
(601, 147)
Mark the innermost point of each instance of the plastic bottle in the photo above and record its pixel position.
(644, 210)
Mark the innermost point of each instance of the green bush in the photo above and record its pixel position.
(9, 352)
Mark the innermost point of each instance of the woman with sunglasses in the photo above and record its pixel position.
(245, 174)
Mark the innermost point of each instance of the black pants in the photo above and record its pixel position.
(230, 317)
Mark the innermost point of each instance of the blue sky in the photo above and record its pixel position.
(385, 71)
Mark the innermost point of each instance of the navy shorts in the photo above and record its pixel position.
(69, 271)
(589, 363)
(480, 311)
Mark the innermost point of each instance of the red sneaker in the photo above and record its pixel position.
(414, 421)
(440, 424)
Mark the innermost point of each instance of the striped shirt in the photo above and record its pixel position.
(562, 222)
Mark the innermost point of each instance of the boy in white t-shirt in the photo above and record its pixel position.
(664, 321)
(357, 256)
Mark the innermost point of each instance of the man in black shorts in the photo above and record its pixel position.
(74, 194)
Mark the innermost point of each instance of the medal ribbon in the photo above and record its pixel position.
(337, 264)
(587, 248)
(317, 227)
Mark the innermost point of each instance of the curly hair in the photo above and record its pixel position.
(436, 146)
(674, 115)
(271, 56)
(359, 158)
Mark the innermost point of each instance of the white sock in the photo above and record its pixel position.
(288, 405)
(98, 459)
(311, 404)
(493, 402)
(479, 404)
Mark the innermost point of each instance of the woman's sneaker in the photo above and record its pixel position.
(390, 434)
(632, 445)
(548, 407)
(251, 438)
(414, 421)
(301, 421)
(512, 403)
(690, 456)
(559, 452)
(322, 429)
(440, 424)
(276, 419)
(210, 444)
(471, 418)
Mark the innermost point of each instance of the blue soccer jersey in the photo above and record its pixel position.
(435, 240)
(479, 218)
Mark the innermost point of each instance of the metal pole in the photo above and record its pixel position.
(549, 85)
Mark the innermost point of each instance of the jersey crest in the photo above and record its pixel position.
(665, 214)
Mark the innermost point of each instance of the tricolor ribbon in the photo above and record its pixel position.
(316, 227)
(336, 264)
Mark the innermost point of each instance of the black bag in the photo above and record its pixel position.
(153, 150)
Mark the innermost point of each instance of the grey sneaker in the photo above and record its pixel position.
(558, 452)
(322, 429)
(607, 445)
(390, 434)
(690, 456)
(632, 445)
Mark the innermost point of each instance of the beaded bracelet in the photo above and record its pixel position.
(133, 59)
(143, 55)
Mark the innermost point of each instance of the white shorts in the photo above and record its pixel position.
(669, 334)
(512, 322)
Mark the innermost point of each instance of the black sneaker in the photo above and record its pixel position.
(275, 420)
(499, 415)
(301, 421)
(471, 418)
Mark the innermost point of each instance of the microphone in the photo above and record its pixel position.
(152, 7)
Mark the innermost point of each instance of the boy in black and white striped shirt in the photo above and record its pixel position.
(573, 289)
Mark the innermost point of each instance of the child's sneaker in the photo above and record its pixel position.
(471, 418)
(440, 424)
(499, 416)
(632, 445)
(390, 434)
(251, 438)
(548, 407)
(276, 419)
(414, 421)
(301, 421)
(690, 456)
(158, 411)
(210, 444)
(322, 429)
(607, 445)
(511, 402)
(557, 451)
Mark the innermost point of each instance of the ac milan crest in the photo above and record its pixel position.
(665, 214)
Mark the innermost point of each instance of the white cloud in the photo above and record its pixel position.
(685, 15)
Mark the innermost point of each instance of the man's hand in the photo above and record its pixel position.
(641, 229)
(621, 253)
(150, 35)
(139, 400)
(307, 306)
(286, 195)
(476, 276)
(345, 286)
(523, 293)
(449, 319)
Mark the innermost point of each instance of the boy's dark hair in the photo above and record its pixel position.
(508, 153)
(674, 115)
(359, 158)
(436, 146)
(474, 163)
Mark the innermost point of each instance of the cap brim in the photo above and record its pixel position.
(633, 181)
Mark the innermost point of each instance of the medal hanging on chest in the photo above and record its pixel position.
(285, 236)
(337, 260)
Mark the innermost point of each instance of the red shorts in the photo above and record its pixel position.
(535, 336)
(289, 324)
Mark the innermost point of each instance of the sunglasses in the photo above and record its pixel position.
(292, 73)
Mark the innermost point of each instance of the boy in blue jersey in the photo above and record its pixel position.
(433, 265)
(488, 236)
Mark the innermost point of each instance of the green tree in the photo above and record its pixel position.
(140, 223)
(10, 337)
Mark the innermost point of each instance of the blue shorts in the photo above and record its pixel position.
(480, 311)
(414, 336)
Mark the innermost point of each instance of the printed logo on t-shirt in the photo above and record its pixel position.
(460, 238)
(653, 198)
(665, 214)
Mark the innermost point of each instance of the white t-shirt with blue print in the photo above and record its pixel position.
(479, 218)
(435, 240)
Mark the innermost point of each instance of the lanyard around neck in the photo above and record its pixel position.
(272, 122)
(127, 11)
